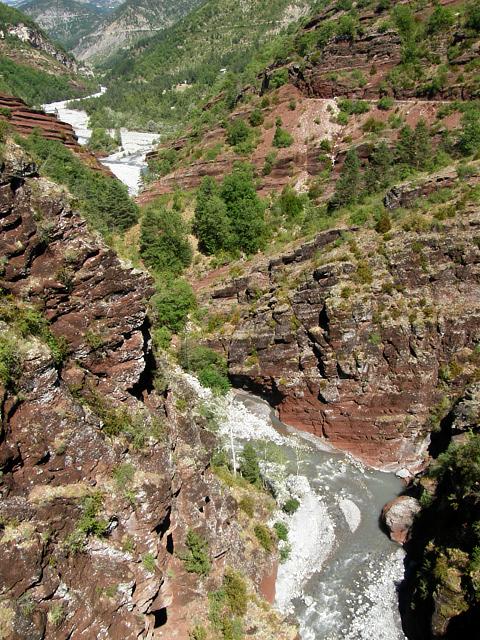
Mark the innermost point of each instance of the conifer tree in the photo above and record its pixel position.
(163, 241)
(347, 189)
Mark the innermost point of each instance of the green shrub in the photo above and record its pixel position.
(164, 245)
(353, 107)
(279, 78)
(247, 505)
(90, 523)
(210, 367)
(282, 138)
(238, 132)
(385, 103)
(9, 361)
(384, 223)
(348, 185)
(269, 163)
(197, 559)
(285, 551)
(245, 210)
(249, 467)
(101, 140)
(198, 633)
(256, 118)
(290, 506)
(264, 536)
(172, 304)
(441, 19)
(211, 223)
(281, 530)
(472, 16)
(149, 562)
(235, 590)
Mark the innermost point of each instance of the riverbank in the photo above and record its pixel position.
(340, 580)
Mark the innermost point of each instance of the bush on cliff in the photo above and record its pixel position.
(101, 141)
(211, 223)
(196, 559)
(172, 303)
(244, 208)
(210, 367)
(230, 218)
(249, 467)
(348, 186)
(164, 244)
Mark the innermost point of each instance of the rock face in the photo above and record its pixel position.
(101, 475)
(398, 516)
(25, 120)
(35, 39)
(350, 340)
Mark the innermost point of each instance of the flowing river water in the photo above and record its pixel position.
(341, 577)
(128, 163)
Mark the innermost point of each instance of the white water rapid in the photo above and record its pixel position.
(340, 580)
(129, 162)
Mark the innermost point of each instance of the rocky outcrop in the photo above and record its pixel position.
(33, 37)
(25, 121)
(352, 343)
(398, 517)
(102, 475)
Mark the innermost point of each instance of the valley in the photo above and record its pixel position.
(240, 320)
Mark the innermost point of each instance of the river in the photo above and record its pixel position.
(341, 578)
(129, 162)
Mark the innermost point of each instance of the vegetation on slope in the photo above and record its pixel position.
(162, 80)
(447, 584)
(32, 72)
(67, 21)
(103, 201)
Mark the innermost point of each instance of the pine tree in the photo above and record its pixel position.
(249, 467)
(163, 241)
(245, 210)
(211, 223)
(379, 168)
(347, 189)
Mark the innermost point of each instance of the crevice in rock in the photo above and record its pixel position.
(160, 617)
(440, 439)
(170, 548)
(323, 321)
(162, 528)
(144, 384)
(272, 396)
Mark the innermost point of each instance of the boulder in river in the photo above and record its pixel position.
(398, 516)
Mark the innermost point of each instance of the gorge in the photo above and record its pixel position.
(240, 353)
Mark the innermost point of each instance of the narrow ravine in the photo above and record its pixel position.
(340, 580)
(129, 162)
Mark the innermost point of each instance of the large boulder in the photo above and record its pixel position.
(398, 516)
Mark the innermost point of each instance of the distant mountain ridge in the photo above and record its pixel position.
(129, 23)
(66, 21)
(34, 68)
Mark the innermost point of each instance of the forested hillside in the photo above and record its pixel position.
(65, 21)
(163, 79)
(32, 67)
(129, 23)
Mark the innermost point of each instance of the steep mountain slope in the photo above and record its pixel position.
(31, 66)
(112, 524)
(67, 21)
(163, 80)
(131, 22)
